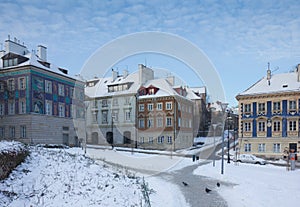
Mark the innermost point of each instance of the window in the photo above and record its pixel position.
(169, 106)
(127, 101)
(169, 121)
(169, 139)
(159, 122)
(276, 106)
(292, 105)
(127, 115)
(49, 107)
(150, 107)
(142, 140)
(1, 86)
(276, 126)
(247, 126)
(261, 126)
(115, 102)
(151, 91)
(160, 139)
(22, 85)
(104, 117)
(247, 108)
(262, 147)
(10, 62)
(292, 125)
(22, 107)
(261, 107)
(115, 115)
(12, 132)
(141, 123)
(2, 131)
(61, 90)
(2, 109)
(11, 107)
(150, 139)
(11, 84)
(159, 106)
(150, 123)
(141, 107)
(61, 110)
(23, 131)
(104, 103)
(276, 148)
(48, 86)
(247, 147)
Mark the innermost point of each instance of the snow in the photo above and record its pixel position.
(255, 185)
(7, 146)
(52, 177)
(284, 82)
(66, 177)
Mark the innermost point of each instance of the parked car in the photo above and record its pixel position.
(248, 158)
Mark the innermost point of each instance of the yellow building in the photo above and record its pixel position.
(269, 115)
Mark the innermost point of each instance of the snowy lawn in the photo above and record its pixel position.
(55, 178)
(255, 185)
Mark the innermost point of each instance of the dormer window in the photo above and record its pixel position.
(10, 62)
(151, 91)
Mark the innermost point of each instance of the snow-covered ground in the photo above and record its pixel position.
(65, 177)
(255, 185)
(11, 146)
(52, 177)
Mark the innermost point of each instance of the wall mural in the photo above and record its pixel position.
(38, 95)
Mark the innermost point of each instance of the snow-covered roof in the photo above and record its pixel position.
(30, 58)
(100, 89)
(193, 91)
(278, 83)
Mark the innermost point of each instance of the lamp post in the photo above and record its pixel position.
(223, 106)
(228, 142)
(214, 159)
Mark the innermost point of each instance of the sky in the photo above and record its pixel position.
(239, 37)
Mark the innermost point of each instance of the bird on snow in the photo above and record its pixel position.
(218, 184)
(207, 190)
(185, 184)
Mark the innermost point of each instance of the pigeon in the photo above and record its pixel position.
(218, 184)
(207, 190)
(185, 184)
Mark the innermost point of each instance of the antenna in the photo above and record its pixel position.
(145, 61)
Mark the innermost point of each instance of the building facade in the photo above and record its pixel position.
(270, 115)
(39, 103)
(165, 116)
(137, 110)
(111, 107)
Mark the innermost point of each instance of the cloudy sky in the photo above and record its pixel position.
(239, 37)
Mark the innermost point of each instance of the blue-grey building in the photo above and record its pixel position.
(39, 103)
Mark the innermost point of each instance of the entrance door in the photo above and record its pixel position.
(66, 139)
(293, 146)
(110, 137)
(127, 137)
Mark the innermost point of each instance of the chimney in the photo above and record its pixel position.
(298, 72)
(171, 80)
(145, 74)
(14, 47)
(125, 73)
(114, 75)
(42, 52)
(269, 74)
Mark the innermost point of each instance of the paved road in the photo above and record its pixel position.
(194, 192)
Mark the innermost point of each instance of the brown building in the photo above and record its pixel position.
(164, 116)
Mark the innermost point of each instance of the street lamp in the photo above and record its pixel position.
(228, 143)
(223, 106)
(214, 159)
